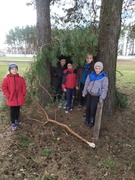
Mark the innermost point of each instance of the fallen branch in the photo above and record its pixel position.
(69, 129)
(72, 132)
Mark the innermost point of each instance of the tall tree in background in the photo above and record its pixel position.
(22, 40)
(132, 36)
(110, 25)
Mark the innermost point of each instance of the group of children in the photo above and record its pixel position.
(90, 79)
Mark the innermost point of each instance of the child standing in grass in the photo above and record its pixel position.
(96, 87)
(69, 85)
(14, 88)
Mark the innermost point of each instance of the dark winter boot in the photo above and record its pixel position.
(87, 119)
(92, 122)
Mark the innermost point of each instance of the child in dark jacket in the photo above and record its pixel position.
(14, 88)
(96, 87)
(56, 79)
(69, 85)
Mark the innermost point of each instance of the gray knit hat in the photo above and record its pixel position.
(12, 66)
(99, 64)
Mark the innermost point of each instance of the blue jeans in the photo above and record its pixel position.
(69, 98)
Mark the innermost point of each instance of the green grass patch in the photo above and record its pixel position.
(126, 76)
(22, 66)
(46, 152)
(47, 178)
(24, 141)
(108, 163)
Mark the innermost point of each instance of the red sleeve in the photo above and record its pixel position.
(5, 88)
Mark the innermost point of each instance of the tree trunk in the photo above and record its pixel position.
(43, 22)
(110, 25)
(43, 40)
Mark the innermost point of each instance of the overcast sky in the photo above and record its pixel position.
(14, 13)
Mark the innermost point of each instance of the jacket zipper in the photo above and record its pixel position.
(15, 91)
(93, 83)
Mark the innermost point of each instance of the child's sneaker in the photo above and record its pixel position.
(64, 107)
(17, 122)
(13, 126)
(60, 105)
(84, 114)
(66, 111)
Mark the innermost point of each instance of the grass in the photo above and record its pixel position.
(46, 152)
(108, 163)
(47, 178)
(126, 75)
(24, 141)
(22, 66)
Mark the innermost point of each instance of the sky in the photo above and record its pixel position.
(14, 13)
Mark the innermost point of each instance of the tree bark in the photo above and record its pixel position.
(43, 22)
(43, 40)
(109, 31)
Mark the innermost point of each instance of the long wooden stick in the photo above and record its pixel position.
(98, 118)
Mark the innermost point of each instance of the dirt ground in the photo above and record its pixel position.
(47, 151)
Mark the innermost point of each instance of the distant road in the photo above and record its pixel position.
(16, 60)
(130, 58)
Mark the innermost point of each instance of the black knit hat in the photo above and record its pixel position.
(70, 62)
(62, 57)
(12, 66)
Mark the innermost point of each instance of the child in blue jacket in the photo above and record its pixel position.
(82, 73)
(96, 87)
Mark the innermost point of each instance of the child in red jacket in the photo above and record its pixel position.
(69, 85)
(14, 88)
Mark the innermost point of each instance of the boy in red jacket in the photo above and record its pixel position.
(14, 88)
(69, 85)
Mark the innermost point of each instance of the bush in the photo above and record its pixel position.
(70, 43)
(121, 100)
